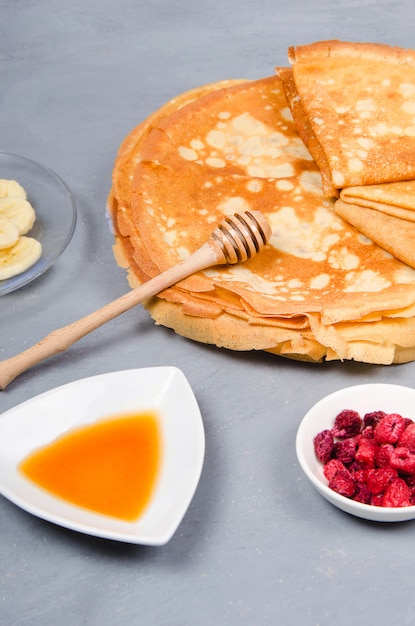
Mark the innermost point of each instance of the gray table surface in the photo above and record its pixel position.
(257, 545)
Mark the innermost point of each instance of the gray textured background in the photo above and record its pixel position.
(258, 545)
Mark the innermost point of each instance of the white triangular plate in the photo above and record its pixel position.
(40, 420)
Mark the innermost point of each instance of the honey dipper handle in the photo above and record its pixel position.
(59, 340)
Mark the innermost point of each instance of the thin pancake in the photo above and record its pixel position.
(354, 106)
(392, 233)
(395, 199)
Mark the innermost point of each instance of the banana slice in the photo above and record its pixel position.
(11, 188)
(19, 257)
(9, 233)
(17, 216)
(19, 211)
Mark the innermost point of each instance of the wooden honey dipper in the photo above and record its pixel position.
(235, 240)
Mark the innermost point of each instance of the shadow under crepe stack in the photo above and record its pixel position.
(319, 290)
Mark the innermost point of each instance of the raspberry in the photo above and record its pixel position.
(389, 429)
(368, 432)
(345, 450)
(397, 494)
(376, 500)
(355, 466)
(411, 486)
(331, 468)
(362, 494)
(379, 479)
(383, 454)
(323, 445)
(410, 481)
(343, 483)
(361, 476)
(365, 452)
(348, 423)
(407, 438)
(403, 460)
(371, 419)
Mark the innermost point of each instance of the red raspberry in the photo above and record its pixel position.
(379, 479)
(348, 423)
(343, 483)
(344, 450)
(376, 500)
(410, 481)
(389, 429)
(365, 452)
(362, 494)
(371, 419)
(368, 432)
(403, 460)
(383, 454)
(323, 445)
(407, 438)
(397, 494)
(360, 475)
(355, 467)
(331, 468)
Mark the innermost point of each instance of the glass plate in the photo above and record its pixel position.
(55, 213)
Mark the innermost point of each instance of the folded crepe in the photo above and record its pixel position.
(319, 290)
(384, 213)
(394, 199)
(354, 107)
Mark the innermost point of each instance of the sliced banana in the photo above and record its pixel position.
(19, 211)
(9, 233)
(17, 216)
(20, 257)
(11, 188)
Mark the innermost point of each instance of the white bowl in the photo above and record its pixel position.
(38, 421)
(364, 399)
(55, 213)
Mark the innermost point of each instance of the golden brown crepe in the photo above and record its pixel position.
(319, 290)
(394, 234)
(354, 107)
(395, 199)
(385, 213)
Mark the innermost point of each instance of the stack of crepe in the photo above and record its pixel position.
(320, 290)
